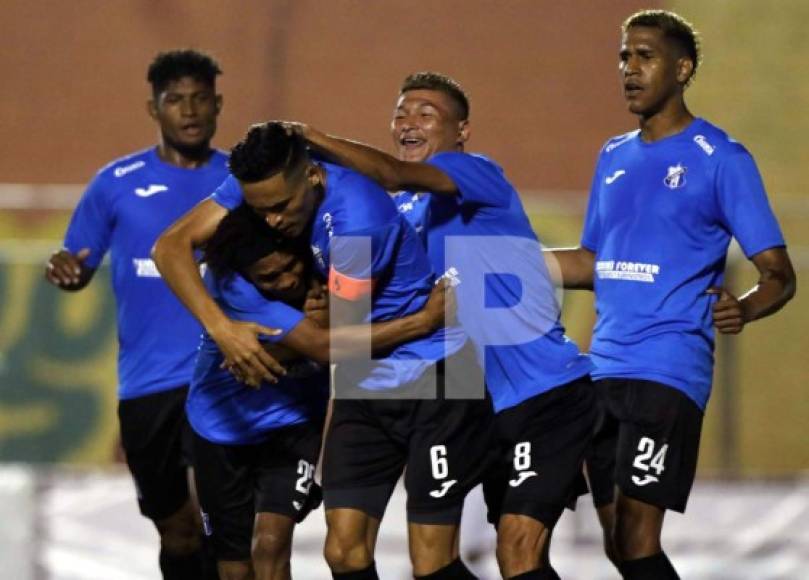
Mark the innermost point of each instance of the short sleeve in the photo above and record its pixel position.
(479, 180)
(745, 209)
(92, 223)
(229, 194)
(591, 230)
(358, 258)
(242, 301)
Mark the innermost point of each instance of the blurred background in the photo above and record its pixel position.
(542, 76)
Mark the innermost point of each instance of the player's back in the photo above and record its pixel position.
(483, 242)
(358, 234)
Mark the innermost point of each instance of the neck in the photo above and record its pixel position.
(668, 121)
(187, 158)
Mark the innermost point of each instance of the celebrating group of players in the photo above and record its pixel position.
(300, 258)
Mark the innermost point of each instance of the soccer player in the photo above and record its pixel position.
(665, 201)
(476, 229)
(387, 413)
(123, 210)
(255, 449)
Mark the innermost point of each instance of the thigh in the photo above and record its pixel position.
(451, 448)
(658, 444)
(547, 437)
(600, 457)
(225, 483)
(284, 472)
(153, 429)
(361, 459)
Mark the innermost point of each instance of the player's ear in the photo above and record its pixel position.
(218, 104)
(463, 131)
(313, 175)
(151, 108)
(685, 68)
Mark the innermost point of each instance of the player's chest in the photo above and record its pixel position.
(149, 206)
(674, 188)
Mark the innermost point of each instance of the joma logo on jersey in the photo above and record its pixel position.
(150, 190)
(676, 177)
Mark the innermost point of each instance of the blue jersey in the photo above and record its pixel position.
(225, 411)
(124, 209)
(354, 206)
(483, 242)
(660, 218)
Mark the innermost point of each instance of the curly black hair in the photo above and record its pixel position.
(433, 81)
(241, 239)
(267, 149)
(174, 64)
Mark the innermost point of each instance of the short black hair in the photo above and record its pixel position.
(674, 27)
(267, 149)
(175, 64)
(433, 81)
(241, 239)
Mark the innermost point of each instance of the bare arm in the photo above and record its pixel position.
(776, 286)
(389, 172)
(350, 341)
(575, 266)
(174, 256)
(68, 271)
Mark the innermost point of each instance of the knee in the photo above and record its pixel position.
(271, 546)
(235, 571)
(179, 534)
(346, 553)
(520, 545)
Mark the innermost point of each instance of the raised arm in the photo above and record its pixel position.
(776, 286)
(389, 172)
(575, 265)
(173, 254)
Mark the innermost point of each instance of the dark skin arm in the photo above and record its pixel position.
(776, 286)
(238, 341)
(389, 172)
(351, 340)
(575, 267)
(68, 271)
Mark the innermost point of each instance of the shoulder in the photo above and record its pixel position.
(618, 141)
(354, 202)
(124, 166)
(460, 159)
(716, 143)
(219, 159)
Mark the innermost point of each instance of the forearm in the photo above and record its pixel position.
(173, 255)
(573, 265)
(352, 341)
(371, 162)
(767, 297)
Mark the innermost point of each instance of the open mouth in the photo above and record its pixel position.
(410, 142)
(632, 89)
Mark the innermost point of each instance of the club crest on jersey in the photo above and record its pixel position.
(327, 220)
(676, 177)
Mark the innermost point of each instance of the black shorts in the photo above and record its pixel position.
(235, 482)
(445, 444)
(544, 441)
(156, 438)
(646, 443)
